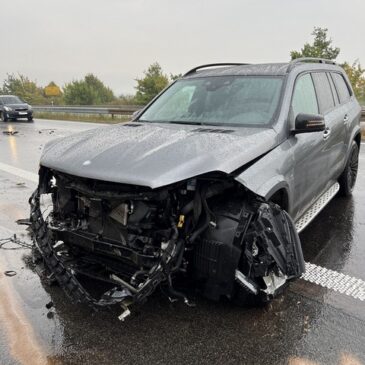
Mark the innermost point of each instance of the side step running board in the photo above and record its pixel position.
(317, 206)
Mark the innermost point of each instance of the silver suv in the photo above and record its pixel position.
(206, 188)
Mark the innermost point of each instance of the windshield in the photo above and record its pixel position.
(220, 100)
(10, 100)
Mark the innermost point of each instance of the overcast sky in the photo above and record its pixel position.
(117, 40)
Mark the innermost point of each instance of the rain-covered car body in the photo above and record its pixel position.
(137, 204)
(12, 107)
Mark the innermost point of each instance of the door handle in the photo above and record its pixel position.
(326, 133)
(346, 118)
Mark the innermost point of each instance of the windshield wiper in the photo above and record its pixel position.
(183, 122)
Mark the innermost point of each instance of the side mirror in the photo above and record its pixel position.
(306, 123)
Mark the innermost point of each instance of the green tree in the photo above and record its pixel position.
(126, 99)
(321, 47)
(151, 84)
(24, 88)
(88, 91)
(175, 77)
(356, 75)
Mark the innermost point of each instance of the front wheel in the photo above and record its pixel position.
(30, 119)
(3, 117)
(347, 179)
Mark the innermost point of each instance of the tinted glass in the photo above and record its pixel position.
(342, 89)
(324, 92)
(235, 100)
(334, 92)
(10, 100)
(304, 97)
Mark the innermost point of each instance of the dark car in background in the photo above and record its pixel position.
(13, 108)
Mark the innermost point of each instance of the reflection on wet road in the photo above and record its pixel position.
(307, 325)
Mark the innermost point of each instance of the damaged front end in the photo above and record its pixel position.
(210, 231)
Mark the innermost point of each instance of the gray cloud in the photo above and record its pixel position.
(117, 39)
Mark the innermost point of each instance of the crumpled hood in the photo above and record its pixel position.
(155, 155)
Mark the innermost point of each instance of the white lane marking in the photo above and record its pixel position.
(24, 174)
(336, 281)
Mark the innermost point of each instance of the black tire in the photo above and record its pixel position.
(347, 179)
(3, 117)
(30, 119)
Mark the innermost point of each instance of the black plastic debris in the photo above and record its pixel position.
(19, 244)
(10, 133)
(10, 273)
(23, 222)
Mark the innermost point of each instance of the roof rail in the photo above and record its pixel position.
(195, 69)
(293, 63)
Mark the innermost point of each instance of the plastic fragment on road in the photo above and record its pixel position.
(10, 133)
(10, 273)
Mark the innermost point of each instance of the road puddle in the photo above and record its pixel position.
(22, 343)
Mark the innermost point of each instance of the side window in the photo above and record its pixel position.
(304, 97)
(324, 92)
(341, 87)
(334, 92)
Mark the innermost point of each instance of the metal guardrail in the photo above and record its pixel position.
(83, 109)
(109, 110)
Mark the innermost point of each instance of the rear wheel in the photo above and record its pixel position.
(347, 179)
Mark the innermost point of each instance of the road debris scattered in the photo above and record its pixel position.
(10, 133)
(23, 222)
(10, 273)
(19, 244)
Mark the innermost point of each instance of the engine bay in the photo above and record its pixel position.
(208, 231)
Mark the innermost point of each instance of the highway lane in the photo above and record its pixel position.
(308, 323)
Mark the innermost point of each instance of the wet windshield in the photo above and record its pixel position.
(233, 100)
(10, 100)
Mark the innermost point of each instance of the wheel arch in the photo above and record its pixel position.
(357, 139)
(279, 195)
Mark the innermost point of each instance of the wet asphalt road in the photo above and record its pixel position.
(306, 325)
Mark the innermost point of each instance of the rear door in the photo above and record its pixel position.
(334, 137)
(310, 171)
(347, 114)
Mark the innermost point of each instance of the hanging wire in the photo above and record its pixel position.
(20, 244)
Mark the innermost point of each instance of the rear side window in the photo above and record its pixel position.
(341, 87)
(334, 92)
(324, 92)
(304, 97)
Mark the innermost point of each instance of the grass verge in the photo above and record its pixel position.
(91, 118)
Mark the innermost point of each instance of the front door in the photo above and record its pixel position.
(311, 165)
